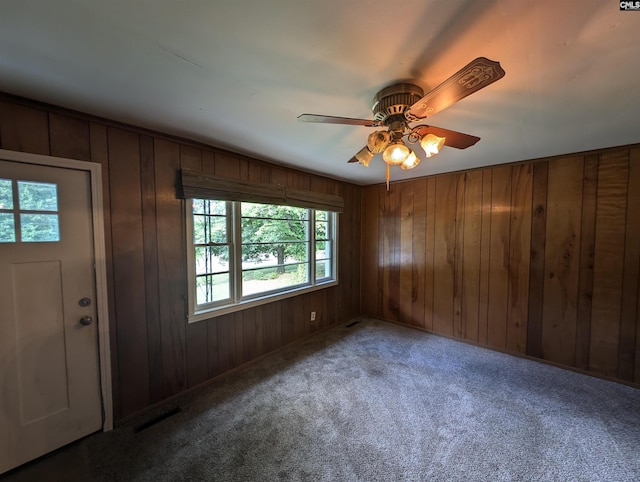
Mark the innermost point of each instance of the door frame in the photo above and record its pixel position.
(97, 208)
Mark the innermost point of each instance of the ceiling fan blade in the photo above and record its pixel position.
(329, 119)
(474, 76)
(452, 138)
(353, 159)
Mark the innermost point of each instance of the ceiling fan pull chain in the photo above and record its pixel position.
(388, 176)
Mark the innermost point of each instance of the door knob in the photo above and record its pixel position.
(84, 302)
(86, 320)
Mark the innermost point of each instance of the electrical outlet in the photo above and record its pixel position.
(313, 316)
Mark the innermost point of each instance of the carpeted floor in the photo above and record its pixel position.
(375, 402)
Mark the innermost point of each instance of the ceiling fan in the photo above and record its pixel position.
(397, 106)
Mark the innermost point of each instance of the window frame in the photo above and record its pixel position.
(236, 300)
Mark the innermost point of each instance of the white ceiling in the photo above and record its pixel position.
(237, 73)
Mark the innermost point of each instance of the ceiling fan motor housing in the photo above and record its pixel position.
(395, 100)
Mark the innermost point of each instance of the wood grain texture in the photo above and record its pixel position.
(23, 128)
(128, 270)
(587, 253)
(608, 268)
(213, 362)
(485, 258)
(540, 258)
(69, 137)
(444, 253)
(382, 253)
(369, 252)
(151, 278)
(519, 257)
(391, 266)
(405, 255)
(171, 270)
(628, 315)
(418, 253)
(499, 255)
(457, 263)
(562, 257)
(537, 258)
(471, 255)
(429, 272)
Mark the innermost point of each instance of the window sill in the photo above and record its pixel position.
(243, 305)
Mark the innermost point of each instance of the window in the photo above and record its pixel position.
(29, 208)
(243, 254)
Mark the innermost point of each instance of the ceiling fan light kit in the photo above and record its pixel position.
(432, 144)
(398, 105)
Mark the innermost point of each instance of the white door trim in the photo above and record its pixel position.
(95, 176)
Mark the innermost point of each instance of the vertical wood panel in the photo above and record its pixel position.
(519, 256)
(608, 262)
(457, 261)
(238, 355)
(213, 362)
(24, 129)
(429, 275)
(171, 269)
(587, 253)
(523, 242)
(260, 334)
(128, 270)
(69, 137)
(392, 247)
(278, 176)
(562, 256)
(444, 254)
(225, 338)
(405, 258)
(227, 165)
(300, 318)
(418, 262)
(287, 321)
(485, 257)
(382, 253)
(627, 346)
(250, 334)
(471, 255)
(369, 250)
(151, 276)
(499, 252)
(536, 266)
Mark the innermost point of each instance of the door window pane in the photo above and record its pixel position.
(39, 228)
(7, 228)
(37, 196)
(6, 194)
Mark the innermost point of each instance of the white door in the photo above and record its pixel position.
(49, 358)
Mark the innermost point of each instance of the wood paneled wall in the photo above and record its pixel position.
(155, 353)
(540, 258)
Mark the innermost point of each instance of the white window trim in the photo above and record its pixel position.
(195, 315)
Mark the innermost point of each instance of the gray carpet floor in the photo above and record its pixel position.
(376, 402)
